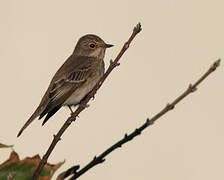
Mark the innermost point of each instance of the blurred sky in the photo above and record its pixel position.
(179, 41)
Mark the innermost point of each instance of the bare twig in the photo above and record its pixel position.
(83, 104)
(100, 159)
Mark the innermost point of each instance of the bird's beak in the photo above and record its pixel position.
(109, 45)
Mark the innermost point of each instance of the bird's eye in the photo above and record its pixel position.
(91, 45)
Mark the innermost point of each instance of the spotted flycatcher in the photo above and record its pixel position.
(74, 79)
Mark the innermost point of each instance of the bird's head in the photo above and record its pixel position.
(91, 45)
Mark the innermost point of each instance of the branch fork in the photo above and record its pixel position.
(114, 64)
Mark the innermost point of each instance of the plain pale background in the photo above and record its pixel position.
(179, 41)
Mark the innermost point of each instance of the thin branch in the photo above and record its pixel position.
(83, 104)
(100, 159)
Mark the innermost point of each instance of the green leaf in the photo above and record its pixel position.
(16, 169)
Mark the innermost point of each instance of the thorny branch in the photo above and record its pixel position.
(83, 104)
(100, 159)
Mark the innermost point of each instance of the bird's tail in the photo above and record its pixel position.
(34, 115)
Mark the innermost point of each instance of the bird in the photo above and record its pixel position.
(74, 79)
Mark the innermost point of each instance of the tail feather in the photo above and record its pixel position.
(51, 113)
(35, 114)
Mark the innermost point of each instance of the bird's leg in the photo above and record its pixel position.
(70, 108)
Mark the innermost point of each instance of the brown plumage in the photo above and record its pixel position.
(74, 79)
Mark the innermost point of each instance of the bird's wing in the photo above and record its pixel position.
(72, 74)
(64, 87)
